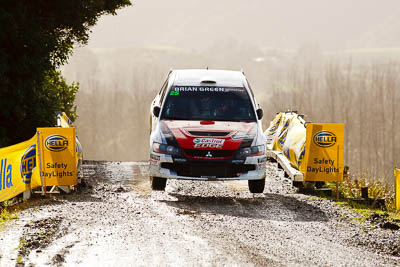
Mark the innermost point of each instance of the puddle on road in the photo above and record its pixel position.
(132, 176)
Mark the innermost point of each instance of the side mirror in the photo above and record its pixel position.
(260, 113)
(156, 111)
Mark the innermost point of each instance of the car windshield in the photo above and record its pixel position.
(208, 103)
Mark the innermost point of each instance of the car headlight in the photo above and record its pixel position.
(251, 151)
(166, 149)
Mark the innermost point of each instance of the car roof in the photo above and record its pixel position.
(197, 77)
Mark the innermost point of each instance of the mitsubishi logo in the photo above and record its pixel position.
(209, 154)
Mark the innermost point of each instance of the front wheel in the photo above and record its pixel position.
(256, 186)
(158, 184)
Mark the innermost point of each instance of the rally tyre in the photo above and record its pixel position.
(158, 184)
(256, 186)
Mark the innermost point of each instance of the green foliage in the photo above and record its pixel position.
(36, 37)
(60, 94)
(351, 189)
(6, 215)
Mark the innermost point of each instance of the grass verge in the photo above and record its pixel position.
(350, 197)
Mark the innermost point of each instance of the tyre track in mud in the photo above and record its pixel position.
(117, 220)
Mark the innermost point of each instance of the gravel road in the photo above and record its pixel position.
(116, 220)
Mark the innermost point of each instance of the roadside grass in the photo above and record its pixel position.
(350, 197)
(19, 258)
(8, 214)
(8, 211)
(364, 211)
(377, 190)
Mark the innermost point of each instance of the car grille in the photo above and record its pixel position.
(199, 133)
(209, 170)
(206, 153)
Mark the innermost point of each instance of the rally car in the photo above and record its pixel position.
(206, 125)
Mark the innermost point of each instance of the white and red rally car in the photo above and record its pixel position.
(206, 125)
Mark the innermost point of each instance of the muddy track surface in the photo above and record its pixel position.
(115, 220)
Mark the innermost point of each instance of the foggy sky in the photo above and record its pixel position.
(197, 24)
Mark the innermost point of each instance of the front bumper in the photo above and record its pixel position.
(164, 166)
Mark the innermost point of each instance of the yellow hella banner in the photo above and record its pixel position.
(324, 152)
(397, 187)
(16, 165)
(57, 154)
